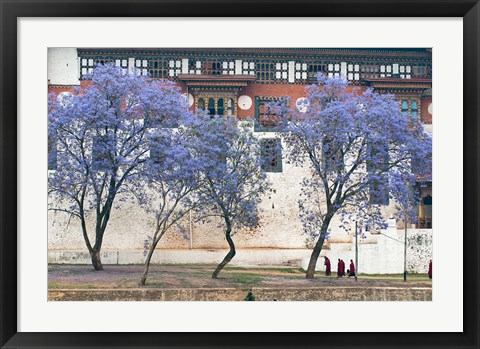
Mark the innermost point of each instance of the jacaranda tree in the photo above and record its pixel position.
(234, 182)
(99, 138)
(359, 149)
(170, 176)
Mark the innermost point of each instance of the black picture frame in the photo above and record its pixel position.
(11, 10)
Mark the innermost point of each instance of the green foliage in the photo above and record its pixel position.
(246, 279)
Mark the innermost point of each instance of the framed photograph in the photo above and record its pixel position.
(181, 262)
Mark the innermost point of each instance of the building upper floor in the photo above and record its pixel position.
(238, 81)
(267, 65)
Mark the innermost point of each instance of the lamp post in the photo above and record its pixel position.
(190, 230)
(356, 250)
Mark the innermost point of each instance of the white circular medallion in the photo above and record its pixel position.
(302, 104)
(244, 102)
(430, 110)
(64, 98)
(189, 99)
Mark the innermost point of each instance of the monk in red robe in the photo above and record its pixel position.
(328, 271)
(430, 269)
(339, 268)
(351, 271)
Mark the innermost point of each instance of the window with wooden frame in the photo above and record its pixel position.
(88, 64)
(141, 66)
(158, 68)
(414, 110)
(271, 152)
(405, 108)
(265, 119)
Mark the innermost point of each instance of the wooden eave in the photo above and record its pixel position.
(222, 80)
(399, 84)
(62, 86)
(285, 51)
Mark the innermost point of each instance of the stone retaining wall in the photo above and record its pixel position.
(260, 294)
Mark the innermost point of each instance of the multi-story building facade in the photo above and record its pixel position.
(239, 81)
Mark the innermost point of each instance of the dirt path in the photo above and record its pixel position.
(199, 276)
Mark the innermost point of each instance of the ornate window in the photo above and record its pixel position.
(211, 106)
(405, 108)
(228, 67)
(410, 109)
(414, 110)
(423, 191)
(353, 72)
(216, 103)
(421, 71)
(230, 106)
(265, 71)
(281, 71)
(201, 104)
(174, 68)
(141, 67)
(220, 107)
(159, 69)
(405, 72)
(265, 119)
(87, 64)
(192, 66)
(271, 154)
(385, 70)
(333, 70)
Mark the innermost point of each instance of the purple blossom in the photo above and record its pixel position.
(360, 151)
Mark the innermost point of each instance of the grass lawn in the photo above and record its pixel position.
(199, 276)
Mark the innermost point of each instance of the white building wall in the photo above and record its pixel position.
(383, 253)
(280, 226)
(63, 66)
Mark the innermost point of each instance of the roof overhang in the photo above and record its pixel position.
(398, 84)
(195, 80)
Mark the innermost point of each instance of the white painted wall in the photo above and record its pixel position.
(63, 66)
(383, 253)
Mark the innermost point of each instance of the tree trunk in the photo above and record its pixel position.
(96, 259)
(229, 255)
(143, 280)
(314, 257)
(316, 250)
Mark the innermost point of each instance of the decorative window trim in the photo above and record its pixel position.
(258, 127)
(414, 110)
(275, 155)
(404, 105)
